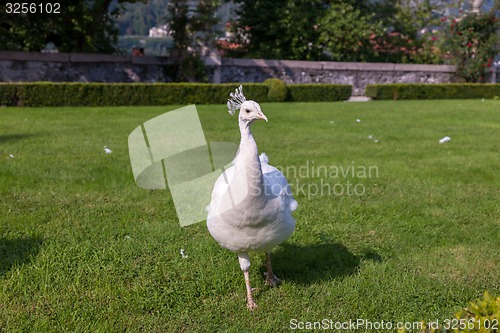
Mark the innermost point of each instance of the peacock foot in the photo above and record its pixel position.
(271, 279)
(251, 305)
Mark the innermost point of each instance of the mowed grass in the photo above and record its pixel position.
(83, 249)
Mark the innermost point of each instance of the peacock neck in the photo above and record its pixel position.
(247, 142)
(248, 157)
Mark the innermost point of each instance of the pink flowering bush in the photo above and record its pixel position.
(236, 42)
(472, 43)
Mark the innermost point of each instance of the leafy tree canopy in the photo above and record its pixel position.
(343, 30)
(84, 26)
(282, 29)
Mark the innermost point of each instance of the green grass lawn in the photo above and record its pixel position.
(83, 249)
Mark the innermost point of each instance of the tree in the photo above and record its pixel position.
(180, 26)
(343, 30)
(137, 18)
(87, 26)
(192, 31)
(282, 29)
(203, 23)
(348, 35)
(409, 30)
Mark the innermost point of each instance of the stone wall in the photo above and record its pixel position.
(77, 67)
(69, 67)
(356, 74)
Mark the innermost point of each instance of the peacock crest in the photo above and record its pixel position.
(237, 98)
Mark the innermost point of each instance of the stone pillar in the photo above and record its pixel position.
(214, 60)
(476, 5)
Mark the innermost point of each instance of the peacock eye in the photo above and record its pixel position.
(247, 110)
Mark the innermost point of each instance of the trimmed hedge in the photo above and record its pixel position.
(433, 91)
(278, 91)
(116, 94)
(320, 92)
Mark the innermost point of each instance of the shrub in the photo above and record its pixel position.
(471, 40)
(319, 92)
(278, 91)
(432, 91)
(483, 315)
(115, 94)
(10, 94)
(106, 94)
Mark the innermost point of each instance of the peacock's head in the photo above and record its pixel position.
(249, 110)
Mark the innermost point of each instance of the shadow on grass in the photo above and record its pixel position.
(14, 137)
(319, 262)
(17, 252)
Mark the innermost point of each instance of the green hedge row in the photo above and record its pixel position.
(115, 94)
(311, 93)
(433, 91)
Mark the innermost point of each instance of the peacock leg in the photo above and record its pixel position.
(271, 279)
(250, 303)
(244, 261)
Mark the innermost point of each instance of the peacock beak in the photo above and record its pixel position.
(260, 115)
